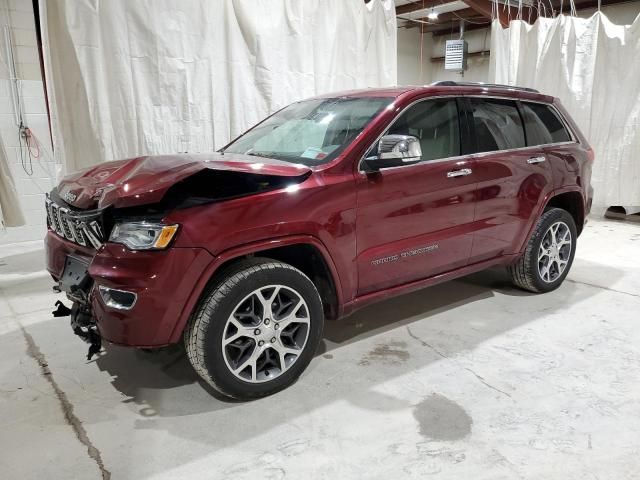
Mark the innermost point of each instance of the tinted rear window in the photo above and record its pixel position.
(497, 125)
(543, 125)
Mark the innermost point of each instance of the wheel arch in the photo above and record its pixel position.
(571, 201)
(306, 253)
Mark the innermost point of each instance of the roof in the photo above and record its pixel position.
(370, 92)
(448, 87)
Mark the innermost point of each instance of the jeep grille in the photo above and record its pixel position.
(82, 228)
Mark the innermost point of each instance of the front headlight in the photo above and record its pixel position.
(143, 235)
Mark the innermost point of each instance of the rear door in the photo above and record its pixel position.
(413, 221)
(544, 127)
(512, 177)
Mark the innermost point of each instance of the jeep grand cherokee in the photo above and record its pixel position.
(327, 205)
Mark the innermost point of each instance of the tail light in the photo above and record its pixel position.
(591, 154)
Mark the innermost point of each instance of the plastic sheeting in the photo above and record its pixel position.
(593, 66)
(10, 212)
(160, 76)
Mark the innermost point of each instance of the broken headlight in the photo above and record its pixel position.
(143, 235)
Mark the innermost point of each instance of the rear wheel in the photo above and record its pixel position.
(549, 253)
(257, 330)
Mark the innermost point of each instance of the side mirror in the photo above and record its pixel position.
(395, 150)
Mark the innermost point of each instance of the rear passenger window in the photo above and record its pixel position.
(435, 124)
(497, 125)
(543, 125)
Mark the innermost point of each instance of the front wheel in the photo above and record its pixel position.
(549, 253)
(256, 331)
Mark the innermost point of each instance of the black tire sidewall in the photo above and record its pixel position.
(554, 216)
(214, 361)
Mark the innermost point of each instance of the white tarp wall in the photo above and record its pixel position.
(127, 78)
(593, 66)
(10, 213)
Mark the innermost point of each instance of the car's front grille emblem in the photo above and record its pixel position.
(70, 197)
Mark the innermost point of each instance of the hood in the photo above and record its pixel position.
(146, 180)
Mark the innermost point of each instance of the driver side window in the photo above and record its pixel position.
(435, 124)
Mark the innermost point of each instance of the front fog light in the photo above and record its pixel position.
(143, 235)
(118, 299)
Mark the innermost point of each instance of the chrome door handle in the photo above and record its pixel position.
(459, 173)
(536, 160)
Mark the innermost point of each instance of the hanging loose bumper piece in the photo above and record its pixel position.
(92, 337)
(82, 321)
(83, 324)
(61, 310)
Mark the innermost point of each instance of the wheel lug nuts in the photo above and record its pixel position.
(256, 331)
(266, 321)
(260, 343)
(276, 326)
(273, 340)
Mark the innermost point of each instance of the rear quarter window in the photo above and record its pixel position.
(543, 125)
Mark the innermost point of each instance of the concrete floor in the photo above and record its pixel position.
(469, 379)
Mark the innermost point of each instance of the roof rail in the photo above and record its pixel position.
(451, 83)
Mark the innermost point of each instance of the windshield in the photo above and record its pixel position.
(311, 132)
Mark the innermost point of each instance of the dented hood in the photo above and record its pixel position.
(145, 180)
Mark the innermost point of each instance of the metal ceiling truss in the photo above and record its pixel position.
(480, 13)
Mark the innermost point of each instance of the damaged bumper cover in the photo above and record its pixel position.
(159, 282)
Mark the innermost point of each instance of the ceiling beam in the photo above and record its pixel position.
(504, 13)
(429, 25)
(482, 9)
(465, 13)
(483, 53)
(420, 5)
(455, 26)
(582, 5)
(454, 30)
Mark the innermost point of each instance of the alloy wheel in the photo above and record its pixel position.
(554, 252)
(266, 333)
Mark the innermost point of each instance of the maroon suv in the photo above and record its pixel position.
(327, 205)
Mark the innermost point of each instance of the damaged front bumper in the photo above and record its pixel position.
(69, 264)
(131, 298)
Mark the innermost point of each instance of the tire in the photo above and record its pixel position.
(262, 313)
(531, 273)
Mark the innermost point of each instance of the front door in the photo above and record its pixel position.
(414, 221)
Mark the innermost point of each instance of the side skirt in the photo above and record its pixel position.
(373, 297)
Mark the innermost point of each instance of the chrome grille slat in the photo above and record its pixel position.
(78, 227)
(92, 235)
(56, 218)
(77, 233)
(60, 221)
(64, 220)
(52, 221)
(47, 206)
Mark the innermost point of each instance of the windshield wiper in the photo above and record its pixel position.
(261, 154)
(270, 155)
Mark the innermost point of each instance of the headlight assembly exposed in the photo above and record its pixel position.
(143, 235)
